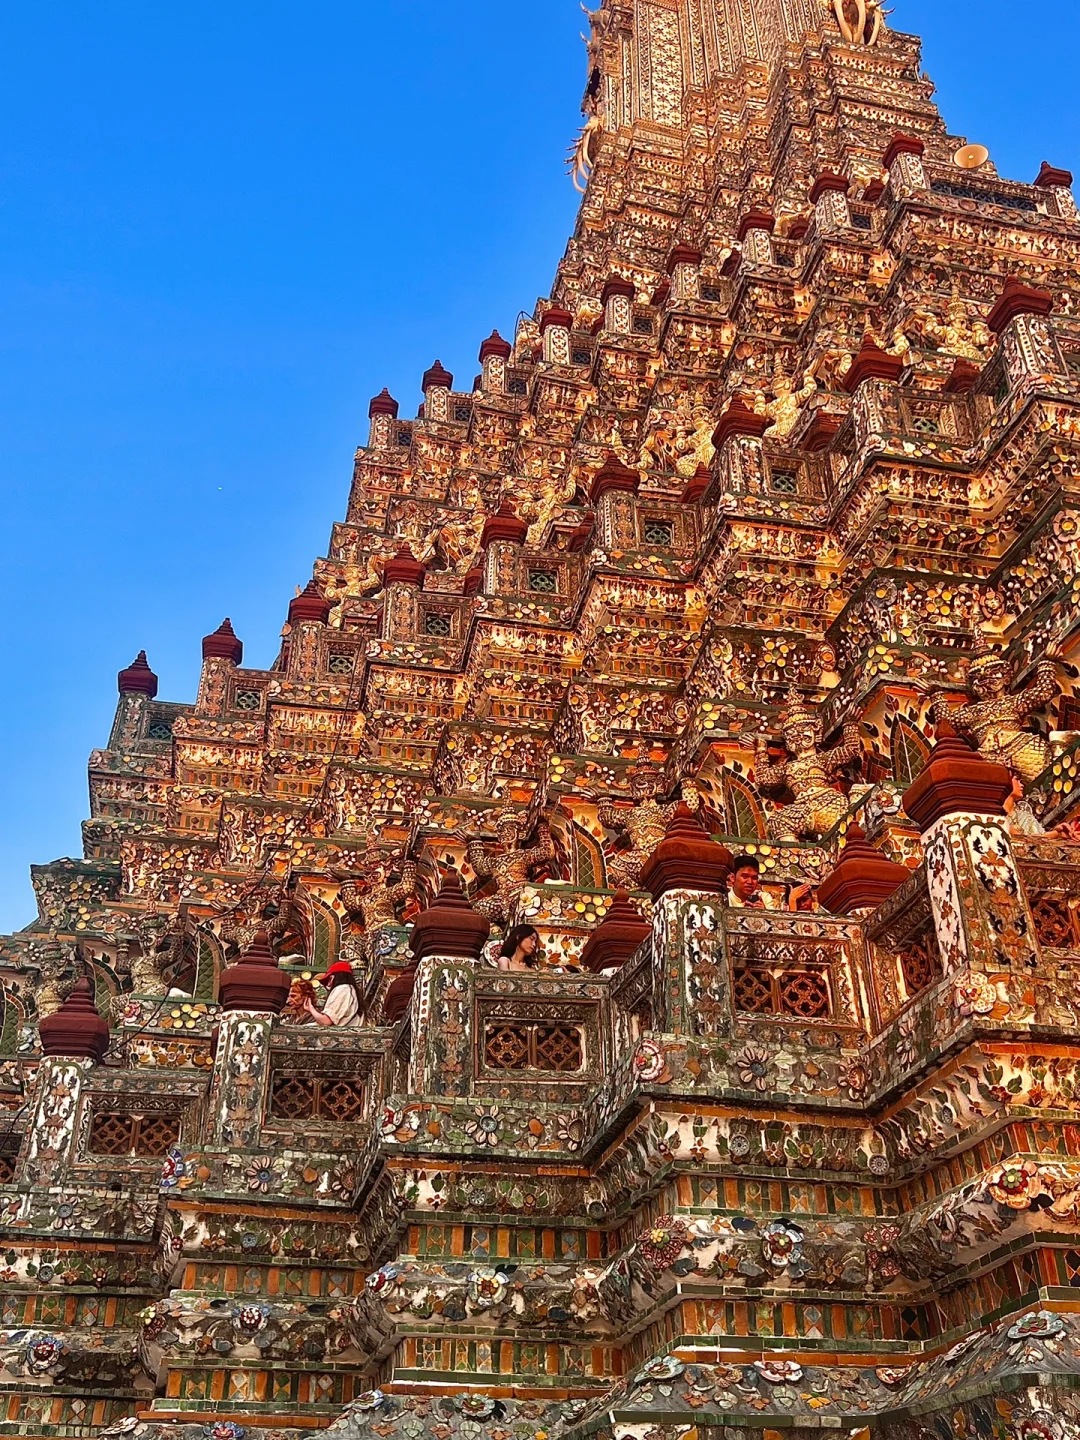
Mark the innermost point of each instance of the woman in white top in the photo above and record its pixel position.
(342, 1005)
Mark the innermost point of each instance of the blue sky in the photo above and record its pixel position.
(223, 228)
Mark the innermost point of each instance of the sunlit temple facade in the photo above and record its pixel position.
(615, 974)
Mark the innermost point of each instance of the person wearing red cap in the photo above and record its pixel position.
(343, 1002)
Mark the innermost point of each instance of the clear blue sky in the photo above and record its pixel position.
(223, 228)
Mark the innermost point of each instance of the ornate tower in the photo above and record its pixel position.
(614, 974)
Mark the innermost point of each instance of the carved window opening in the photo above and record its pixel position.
(582, 357)
(303, 1096)
(248, 700)
(1057, 924)
(553, 1049)
(516, 386)
(159, 730)
(404, 439)
(437, 622)
(984, 197)
(784, 482)
(712, 293)
(920, 961)
(543, 582)
(642, 325)
(341, 662)
(658, 532)
(462, 414)
(861, 220)
(149, 1137)
(794, 994)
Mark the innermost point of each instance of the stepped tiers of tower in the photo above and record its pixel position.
(405, 1057)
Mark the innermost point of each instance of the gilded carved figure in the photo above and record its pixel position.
(375, 896)
(509, 863)
(808, 774)
(997, 721)
(861, 22)
(643, 825)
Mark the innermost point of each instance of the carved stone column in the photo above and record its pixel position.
(382, 412)
(437, 385)
(494, 354)
(222, 653)
(555, 328)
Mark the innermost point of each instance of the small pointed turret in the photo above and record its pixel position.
(223, 644)
(76, 1031)
(138, 678)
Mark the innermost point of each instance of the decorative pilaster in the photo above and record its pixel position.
(612, 492)
(308, 614)
(755, 232)
(907, 173)
(137, 685)
(1019, 320)
(222, 653)
(437, 385)
(618, 301)
(555, 329)
(829, 197)
(684, 267)
(686, 874)
(382, 412)
(494, 354)
(1056, 185)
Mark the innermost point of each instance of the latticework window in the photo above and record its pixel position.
(658, 532)
(248, 700)
(554, 1049)
(784, 482)
(8, 1157)
(436, 622)
(297, 1096)
(151, 1137)
(544, 582)
(1056, 922)
(160, 730)
(920, 961)
(341, 662)
(794, 994)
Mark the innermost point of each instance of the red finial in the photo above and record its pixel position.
(613, 475)
(739, 419)
(76, 1031)
(223, 644)
(437, 378)
(495, 348)
(383, 404)
(862, 879)
(756, 219)
(827, 182)
(956, 780)
(615, 939)
(686, 859)
(903, 145)
(404, 569)
(310, 604)
(697, 485)
(255, 981)
(682, 255)
(1018, 299)
(1051, 178)
(451, 926)
(503, 525)
(138, 678)
(872, 363)
(618, 285)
